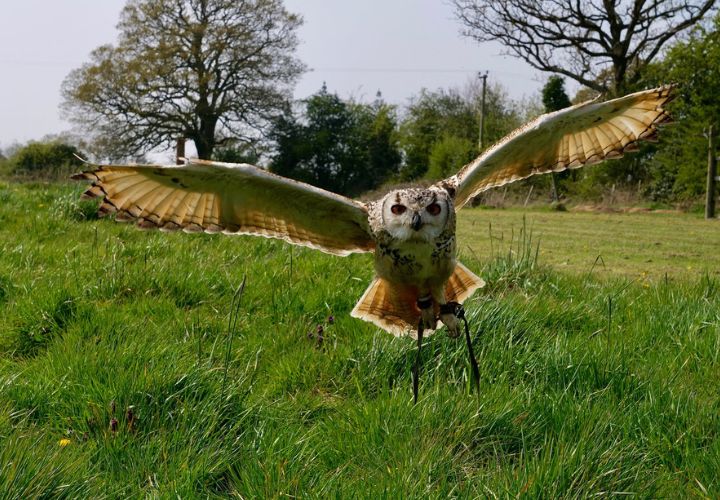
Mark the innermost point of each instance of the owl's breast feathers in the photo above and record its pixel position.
(445, 245)
(418, 263)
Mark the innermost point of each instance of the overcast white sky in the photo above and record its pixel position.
(357, 46)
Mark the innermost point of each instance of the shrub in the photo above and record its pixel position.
(448, 155)
(236, 154)
(44, 159)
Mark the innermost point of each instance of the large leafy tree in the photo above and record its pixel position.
(379, 128)
(440, 129)
(694, 64)
(430, 117)
(212, 71)
(344, 147)
(602, 44)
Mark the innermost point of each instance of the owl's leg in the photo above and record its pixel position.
(447, 313)
(427, 312)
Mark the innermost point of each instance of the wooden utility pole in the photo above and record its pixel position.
(711, 175)
(482, 110)
(180, 151)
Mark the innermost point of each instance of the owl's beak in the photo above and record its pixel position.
(416, 222)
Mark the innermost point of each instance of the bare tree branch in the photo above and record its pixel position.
(587, 41)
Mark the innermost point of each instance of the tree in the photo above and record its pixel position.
(681, 162)
(237, 154)
(344, 147)
(212, 71)
(379, 126)
(602, 44)
(555, 98)
(430, 117)
(448, 154)
(438, 116)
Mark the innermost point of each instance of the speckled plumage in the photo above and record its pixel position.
(419, 262)
(407, 255)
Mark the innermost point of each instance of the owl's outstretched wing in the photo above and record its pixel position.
(233, 199)
(571, 138)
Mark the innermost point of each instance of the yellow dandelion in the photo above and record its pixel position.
(64, 442)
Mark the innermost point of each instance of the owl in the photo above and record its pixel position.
(411, 232)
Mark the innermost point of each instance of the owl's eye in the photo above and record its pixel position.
(433, 209)
(398, 209)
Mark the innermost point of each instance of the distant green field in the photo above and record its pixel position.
(645, 246)
(119, 376)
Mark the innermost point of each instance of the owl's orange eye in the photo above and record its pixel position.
(398, 209)
(433, 209)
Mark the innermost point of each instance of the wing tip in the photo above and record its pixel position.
(663, 95)
(85, 175)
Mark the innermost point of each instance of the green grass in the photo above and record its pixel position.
(636, 245)
(595, 380)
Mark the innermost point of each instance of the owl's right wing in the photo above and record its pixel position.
(571, 138)
(232, 199)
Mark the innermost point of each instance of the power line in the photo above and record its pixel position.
(393, 70)
(339, 69)
(412, 70)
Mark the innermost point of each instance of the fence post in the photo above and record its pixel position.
(180, 151)
(711, 175)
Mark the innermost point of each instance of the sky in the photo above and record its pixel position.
(356, 47)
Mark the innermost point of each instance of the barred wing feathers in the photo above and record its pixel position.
(581, 135)
(233, 199)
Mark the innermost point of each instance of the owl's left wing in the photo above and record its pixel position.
(233, 199)
(571, 138)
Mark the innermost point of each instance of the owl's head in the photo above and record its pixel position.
(417, 214)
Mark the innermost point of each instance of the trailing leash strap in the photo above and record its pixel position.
(460, 313)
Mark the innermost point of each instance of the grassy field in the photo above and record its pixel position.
(119, 375)
(646, 246)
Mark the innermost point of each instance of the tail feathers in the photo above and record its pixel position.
(462, 284)
(394, 307)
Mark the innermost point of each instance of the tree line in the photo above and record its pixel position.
(220, 73)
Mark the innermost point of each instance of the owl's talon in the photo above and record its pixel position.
(451, 322)
(448, 315)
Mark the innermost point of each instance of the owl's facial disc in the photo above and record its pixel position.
(415, 214)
